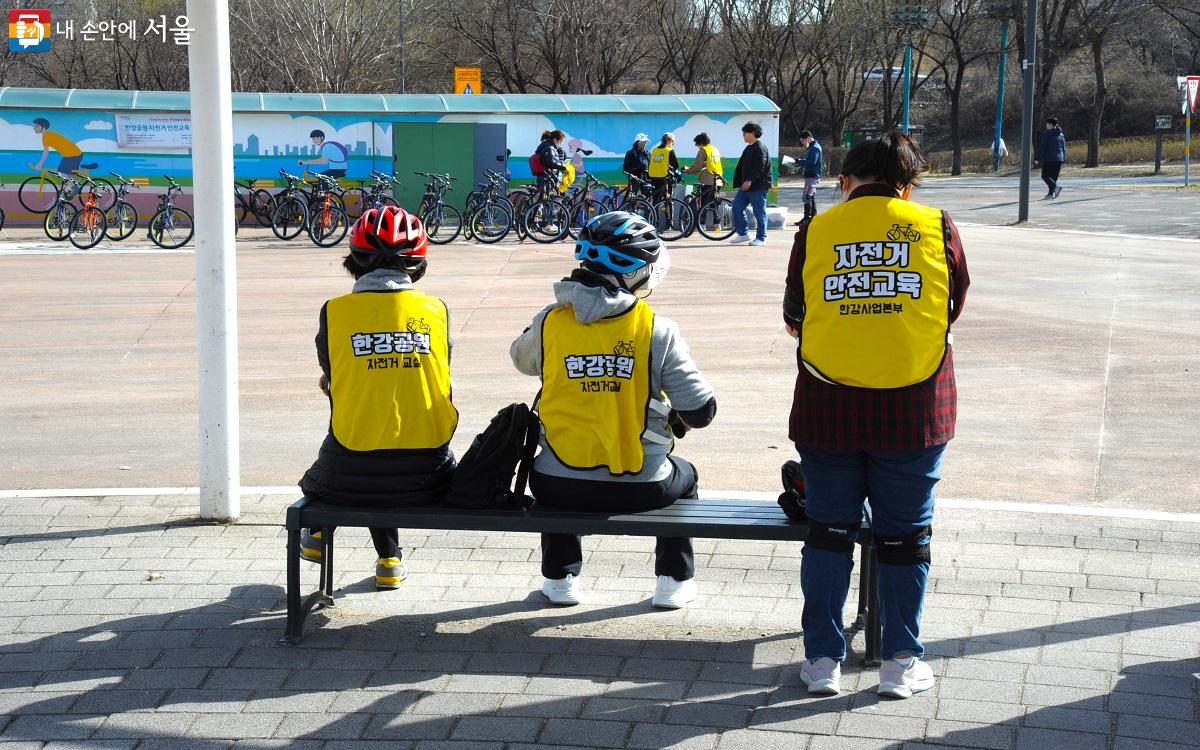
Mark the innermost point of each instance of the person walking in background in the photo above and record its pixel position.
(608, 429)
(706, 166)
(813, 165)
(662, 161)
(1052, 152)
(637, 158)
(753, 178)
(872, 419)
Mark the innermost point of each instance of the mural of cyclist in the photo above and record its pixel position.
(330, 154)
(66, 148)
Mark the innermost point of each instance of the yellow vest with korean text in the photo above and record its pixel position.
(876, 293)
(389, 363)
(712, 159)
(660, 161)
(596, 388)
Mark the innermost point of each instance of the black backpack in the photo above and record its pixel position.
(484, 477)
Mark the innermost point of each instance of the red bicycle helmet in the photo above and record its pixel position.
(390, 231)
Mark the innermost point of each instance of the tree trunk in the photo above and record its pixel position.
(1099, 99)
(955, 128)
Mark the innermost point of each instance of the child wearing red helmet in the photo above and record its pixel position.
(376, 346)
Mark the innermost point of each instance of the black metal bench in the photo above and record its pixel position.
(705, 518)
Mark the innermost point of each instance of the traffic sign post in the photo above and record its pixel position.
(468, 80)
(1191, 88)
(1162, 123)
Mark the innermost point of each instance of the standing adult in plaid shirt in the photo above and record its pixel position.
(873, 286)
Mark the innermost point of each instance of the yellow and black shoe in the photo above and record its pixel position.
(312, 548)
(389, 572)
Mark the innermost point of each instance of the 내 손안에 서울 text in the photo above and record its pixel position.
(177, 30)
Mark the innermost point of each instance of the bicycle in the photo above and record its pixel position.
(714, 219)
(327, 223)
(377, 195)
(290, 216)
(89, 224)
(122, 218)
(44, 197)
(442, 221)
(547, 216)
(584, 205)
(489, 214)
(906, 232)
(57, 220)
(672, 218)
(251, 200)
(171, 227)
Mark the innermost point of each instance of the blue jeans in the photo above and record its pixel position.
(900, 487)
(756, 199)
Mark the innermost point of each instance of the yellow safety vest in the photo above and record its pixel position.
(596, 388)
(660, 161)
(712, 159)
(389, 362)
(876, 293)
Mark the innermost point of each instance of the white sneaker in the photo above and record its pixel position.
(757, 242)
(562, 590)
(822, 676)
(900, 678)
(672, 594)
(739, 239)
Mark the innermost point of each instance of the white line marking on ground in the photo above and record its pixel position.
(38, 248)
(1095, 233)
(958, 503)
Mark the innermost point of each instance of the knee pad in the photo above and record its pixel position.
(831, 536)
(905, 550)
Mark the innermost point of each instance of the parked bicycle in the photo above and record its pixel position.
(171, 226)
(249, 200)
(489, 214)
(122, 218)
(57, 221)
(672, 218)
(295, 202)
(584, 203)
(89, 224)
(381, 193)
(327, 221)
(442, 221)
(547, 216)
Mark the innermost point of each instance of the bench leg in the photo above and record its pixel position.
(327, 567)
(295, 616)
(870, 594)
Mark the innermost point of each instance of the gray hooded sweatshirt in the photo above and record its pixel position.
(672, 371)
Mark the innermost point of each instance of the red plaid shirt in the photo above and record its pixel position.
(845, 418)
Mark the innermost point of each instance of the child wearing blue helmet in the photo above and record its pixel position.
(618, 385)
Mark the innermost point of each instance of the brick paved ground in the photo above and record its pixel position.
(130, 625)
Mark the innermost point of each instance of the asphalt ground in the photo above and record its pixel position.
(1076, 357)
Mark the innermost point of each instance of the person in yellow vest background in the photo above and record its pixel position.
(706, 166)
(662, 160)
(618, 385)
(384, 352)
(873, 286)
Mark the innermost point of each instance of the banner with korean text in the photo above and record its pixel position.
(154, 131)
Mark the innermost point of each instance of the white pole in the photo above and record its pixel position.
(216, 274)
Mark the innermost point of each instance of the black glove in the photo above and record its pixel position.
(678, 427)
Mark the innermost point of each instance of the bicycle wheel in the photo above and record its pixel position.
(673, 219)
(290, 218)
(546, 220)
(171, 228)
(443, 224)
(122, 220)
(38, 195)
(239, 207)
(326, 228)
(716, 220)
(262, 203)
(583, 212)
(1, 218)
(490, 223)
(87, 227)
(57, 223)
(106, 194)
(356, 201)
(641, 207)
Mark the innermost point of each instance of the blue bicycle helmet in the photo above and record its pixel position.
(624, 245)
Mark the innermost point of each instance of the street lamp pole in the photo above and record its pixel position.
(908, 13)
(1028, 65)
(401, 46)
(1002, 72)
